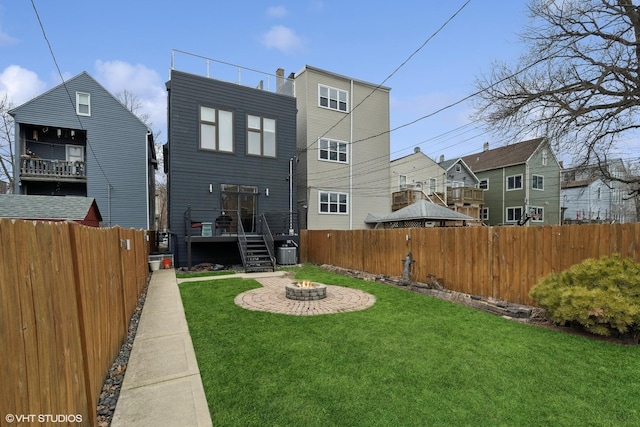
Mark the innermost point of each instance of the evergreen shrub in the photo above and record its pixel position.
(602, 295)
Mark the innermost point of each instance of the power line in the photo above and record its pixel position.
(64, 83)
(392, 74)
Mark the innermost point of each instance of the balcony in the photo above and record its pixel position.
(37, 169)
(465, 196)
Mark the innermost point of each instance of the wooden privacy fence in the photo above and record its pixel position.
(67, 293)
(498, 262)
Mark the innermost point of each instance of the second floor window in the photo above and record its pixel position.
(484, 184)
(333, 151)
(402, 182)
(83, 104)
(538, 182)
(216, 130)
(433, 185)
(514, 182)
(332, 98)
(261, 136)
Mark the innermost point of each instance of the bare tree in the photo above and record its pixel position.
(6, 144)
(578, 83)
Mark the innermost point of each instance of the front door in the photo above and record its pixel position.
(240, 200)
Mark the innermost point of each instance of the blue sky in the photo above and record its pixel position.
(128, 45)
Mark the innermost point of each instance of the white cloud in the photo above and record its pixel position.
(146, 84)
(6, 39)
(282, 38)
(20, 84)
(277, 12)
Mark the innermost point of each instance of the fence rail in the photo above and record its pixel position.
(498, 262)
(67, 294)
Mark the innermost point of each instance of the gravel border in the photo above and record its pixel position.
(115, 376)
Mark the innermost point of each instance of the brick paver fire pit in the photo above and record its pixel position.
(306, 291)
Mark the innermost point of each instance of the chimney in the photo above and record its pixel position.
(279, 79)
(561, 162)
(441, 158)
(416, 150)
(485, 147)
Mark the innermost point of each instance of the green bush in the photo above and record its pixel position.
(603, 296)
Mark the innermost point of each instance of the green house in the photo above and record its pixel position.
(521, 183)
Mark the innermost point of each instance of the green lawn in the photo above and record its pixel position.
(204, 274)
(410, 360)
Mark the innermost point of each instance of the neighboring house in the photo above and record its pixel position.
(521, 181)
(83, 210)
(463, 194)
(417, 171)
(230, 158)
(78, 140)
(588, 195)
(343, 150)
(4, 187)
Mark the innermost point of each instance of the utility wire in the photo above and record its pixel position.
(391, 75)
(64, 83)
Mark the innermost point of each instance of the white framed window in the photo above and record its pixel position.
(514, 214)
(484, 183)
(83, 104)
(261, 136)
(545, 157)
(485, 214)
(537, 214)
(537, 182)
(216, 129)
(74, 153)
(514, 182)
(458, 167)
(402, 182)
(332, 98)
(433, 185)
(332, 151)
(333, 203)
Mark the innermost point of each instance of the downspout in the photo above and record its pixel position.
(527, 194)
(504, 187)
(109, 204)
(351, 159)
(147, 178)
(291, 231)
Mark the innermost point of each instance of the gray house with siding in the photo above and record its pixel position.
(230, 160)
(77, 139)
(521, 182)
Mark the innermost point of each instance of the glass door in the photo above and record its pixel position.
(240, 201)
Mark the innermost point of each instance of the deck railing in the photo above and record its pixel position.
(465, 195)
(48, 168)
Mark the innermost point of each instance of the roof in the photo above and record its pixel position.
(422, 209)
(46, 207)
(509, 155)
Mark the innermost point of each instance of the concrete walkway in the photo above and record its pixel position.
(162, 385)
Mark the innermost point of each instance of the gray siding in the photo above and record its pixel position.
(116, 152)
(194, 172)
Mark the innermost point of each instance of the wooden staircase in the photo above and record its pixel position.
(255, 254)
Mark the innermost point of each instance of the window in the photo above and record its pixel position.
(433, 185)
(485, 214)
(545, 156)
(333, 202)
(332, 151)
(74, 153)
(261, 136)
(537, 214)
(484, 184)
(538, 182)
(83, 104)
(216, 130)
(402, 182)
(458, 167)
(514, 214)
(332, 98)
(514, 182)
